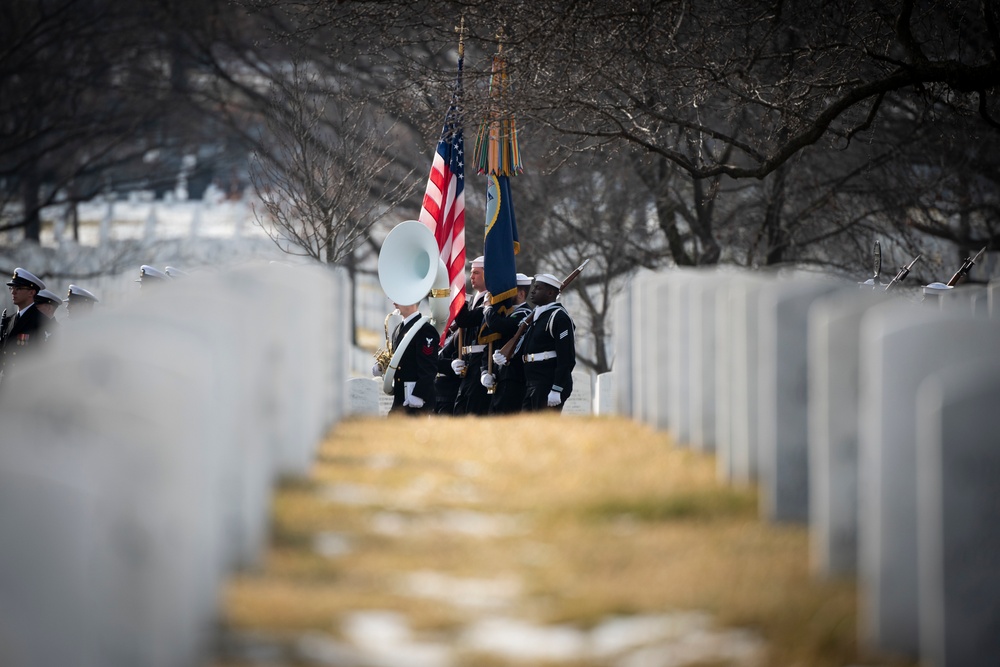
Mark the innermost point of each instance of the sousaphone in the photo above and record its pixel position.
(409, 269)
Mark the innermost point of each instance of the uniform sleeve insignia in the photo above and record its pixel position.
(428, 347)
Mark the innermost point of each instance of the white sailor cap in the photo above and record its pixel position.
(548, 279)
(48, 296)
(77, 293)
(523, 279)
(147, 271)
(27, 279)
(175, 273)
(479, 262)
(937, 289)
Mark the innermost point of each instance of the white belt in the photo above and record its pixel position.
(539, 356)
(473, 349)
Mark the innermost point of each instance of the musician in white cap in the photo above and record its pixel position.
(79, 301)
(507, 380)
(20, 332)
(472, 397)
(413, 379)
(548, 348)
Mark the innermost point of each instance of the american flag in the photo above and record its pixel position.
(443, 210)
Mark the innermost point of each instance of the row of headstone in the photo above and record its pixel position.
(864, 415)
(139, 456)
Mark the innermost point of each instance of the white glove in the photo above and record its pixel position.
(414, 402)
(554, 399)
(458, 366)
(376, 371)
(499, 359)
(487, 380)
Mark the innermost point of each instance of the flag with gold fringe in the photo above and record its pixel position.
(497, 156)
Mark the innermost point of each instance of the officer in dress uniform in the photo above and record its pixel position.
(413, 381)
(548, 348)
(19, 333)
(79, 302)
(507, 379)
(472, 397)
(47, 302)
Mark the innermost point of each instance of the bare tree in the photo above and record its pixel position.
(328, 175)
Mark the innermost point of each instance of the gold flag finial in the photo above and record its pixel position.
(461, 37)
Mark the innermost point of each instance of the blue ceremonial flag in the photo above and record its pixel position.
(501, 240)
(497, 155)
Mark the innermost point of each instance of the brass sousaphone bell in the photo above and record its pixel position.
(409, 269)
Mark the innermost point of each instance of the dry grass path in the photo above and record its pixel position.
(534, 540)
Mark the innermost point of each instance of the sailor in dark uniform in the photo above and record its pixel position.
(548, 348)
(446, 382)
(472, 398)
(20, 332)
(79, 302)
(47, 302)
(413, 381)
(507, 379)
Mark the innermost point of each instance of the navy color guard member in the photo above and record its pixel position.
(446, 382)
(548, 348)
(472, 398)
(507, 379)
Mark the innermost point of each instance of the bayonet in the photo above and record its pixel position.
(902, 273)
(963, 270)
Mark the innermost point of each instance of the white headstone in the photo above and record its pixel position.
(899, 348)
(784, 393)
(744, 298)
(604, 394)
(958, 495)
(704, 292)
(834, 330)
(580, 400)
(676, 337)
(621, 318)
(364, 395)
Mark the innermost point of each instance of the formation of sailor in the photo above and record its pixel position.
(538, 376)
(494, 359)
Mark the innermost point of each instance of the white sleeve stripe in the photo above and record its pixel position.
(564, 334)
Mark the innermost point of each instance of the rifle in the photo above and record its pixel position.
(508, 347)
(903, 272)
(963, 270)
(877, 256)
(4, 323)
